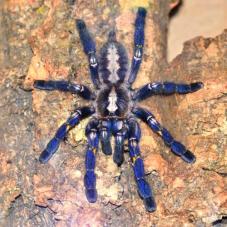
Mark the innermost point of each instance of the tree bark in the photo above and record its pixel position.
(39, 41)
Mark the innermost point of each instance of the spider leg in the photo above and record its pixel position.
(90, 177)
(65, 86)
(138, 44)
(105, 134)
(90, 51)
(165, 88)
(176, 147)
(54, 143)
(119, 131)
(144, 189)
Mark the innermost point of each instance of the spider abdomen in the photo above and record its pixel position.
(113, 63)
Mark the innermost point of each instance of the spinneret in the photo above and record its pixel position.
(114, 109)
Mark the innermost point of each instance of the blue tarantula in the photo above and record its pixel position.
(114, 108)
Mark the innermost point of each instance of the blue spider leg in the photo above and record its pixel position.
(165, 88)
(90, 51)
(73, 120)
(176, 147)
(105, 135)
(118, 155)
(65, 86)
(90, 177)
(119, 131)
(144, 189)
(138, 44)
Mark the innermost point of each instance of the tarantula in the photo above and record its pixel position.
(114, 108)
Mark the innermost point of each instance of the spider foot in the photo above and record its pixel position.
(51, 148)
(146, 194)
(44, 157)
(144, 188)
(90, 186)
(91, 195)
(80, 24)
(196, 86)
(150, 204)
(142, 12)
(180, 150)
(189, 157)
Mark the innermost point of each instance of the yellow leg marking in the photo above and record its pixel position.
(134, 158)
(94, 150)
(159, 132)
(68, 127)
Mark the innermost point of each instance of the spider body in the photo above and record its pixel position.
(115, 108)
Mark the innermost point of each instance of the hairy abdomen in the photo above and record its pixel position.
(113, 63)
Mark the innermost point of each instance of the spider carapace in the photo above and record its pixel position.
(114, 108)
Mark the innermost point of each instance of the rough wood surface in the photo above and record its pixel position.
(38, 41)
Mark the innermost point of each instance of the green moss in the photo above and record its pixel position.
(42, 10)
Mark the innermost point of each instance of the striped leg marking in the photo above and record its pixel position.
(90, 177)
(165, 88)
(144, 188)
(176, 147)
(73, 120)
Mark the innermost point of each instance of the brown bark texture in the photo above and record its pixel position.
(38, 41)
